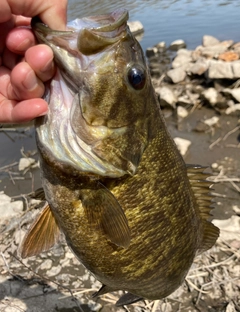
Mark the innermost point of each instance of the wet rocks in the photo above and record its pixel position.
(177, 44)
(136, 27)
(166, 97)
(177, 74)
(182, 145)
(9, 208)
(209, 41)
(205, 76)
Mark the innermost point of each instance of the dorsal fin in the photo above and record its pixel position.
(204, 199)
(42, 235)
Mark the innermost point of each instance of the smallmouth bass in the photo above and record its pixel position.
(116, 185)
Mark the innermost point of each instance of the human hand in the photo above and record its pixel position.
(25, 66)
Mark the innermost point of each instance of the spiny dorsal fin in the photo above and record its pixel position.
(103, 209)
(204, 198)
(43, 234)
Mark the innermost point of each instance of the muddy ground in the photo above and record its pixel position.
(56, 281)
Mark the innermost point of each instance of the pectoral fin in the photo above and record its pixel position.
(43, 234)
(102, 209)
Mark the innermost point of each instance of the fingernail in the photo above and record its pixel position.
(48, 66)
(25, 44)
(30, 82)
(43, 113)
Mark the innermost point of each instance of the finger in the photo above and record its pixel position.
(10, 59)
(21, 83)
(17, 112)
(20, 39)
(24, 83)
(52, 12)
(22, 21)
(40, 58)
(5, 28)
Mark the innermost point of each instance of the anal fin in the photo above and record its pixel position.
(128, 298)
(43, 234)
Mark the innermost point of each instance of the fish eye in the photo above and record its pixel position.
(137, 77)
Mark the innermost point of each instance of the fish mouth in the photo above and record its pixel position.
(83, 39)
(74, 49)
(95, 32)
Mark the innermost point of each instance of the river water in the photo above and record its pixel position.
(168, 20)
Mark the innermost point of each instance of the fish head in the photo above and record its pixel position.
(100, 102)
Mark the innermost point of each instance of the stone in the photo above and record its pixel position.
(211, 95)
(231, 306)
(232, 109)
(25, 163)
(228, 56)
(201, 127)
(182, 112)
(227, 43)
(54, 270)
(177, 44)
(166, 97)
(236, 69)
(236, 47)
(185, 52)
(184, 100)
(220, 70)
(197, 53)
(209, 41)
(235, 93)
(211, 121)
(229, 229)
(161, 46)
(180, 60)
(199, 67)
(213, 51)
(177, 74)
(136, 27)
(8, 208)
(236, 209)
(46, 265)
(150, 52)
(182, 145)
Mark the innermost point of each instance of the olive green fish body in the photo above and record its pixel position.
(161, 211)
(131, 210)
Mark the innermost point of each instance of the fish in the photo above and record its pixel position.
(115, 184)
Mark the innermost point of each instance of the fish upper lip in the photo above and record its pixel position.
(98, 24)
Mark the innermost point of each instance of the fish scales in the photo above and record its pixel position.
(116, 185)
